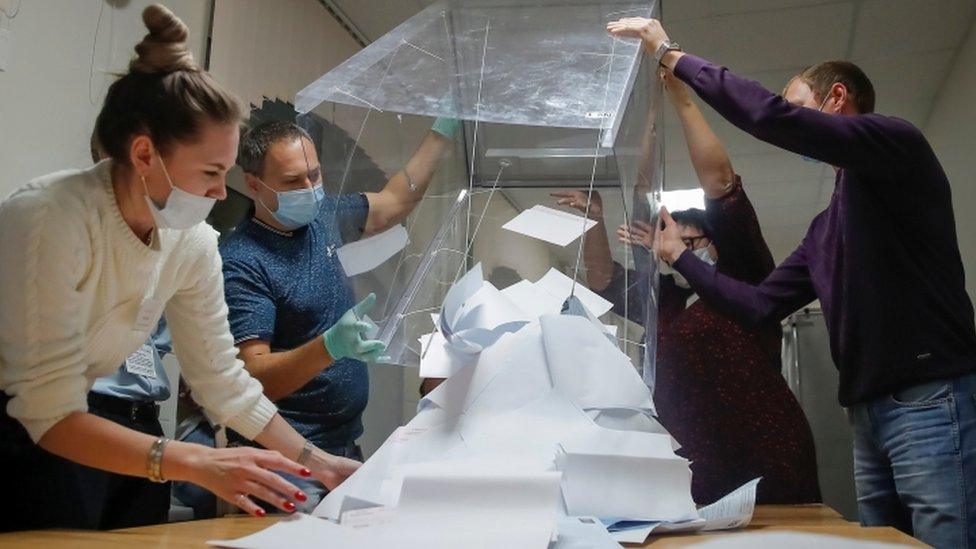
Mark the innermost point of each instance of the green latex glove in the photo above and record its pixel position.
(345, 338)
(448, 127)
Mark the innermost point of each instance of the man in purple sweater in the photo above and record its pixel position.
(884, 261)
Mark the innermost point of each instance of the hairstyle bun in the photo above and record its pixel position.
(163, 50)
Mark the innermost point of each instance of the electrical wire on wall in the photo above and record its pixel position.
(91, 63)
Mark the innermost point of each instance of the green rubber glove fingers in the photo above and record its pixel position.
(448, 127)
(345, 338)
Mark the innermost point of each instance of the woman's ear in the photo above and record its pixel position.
(713, 251)
(141, 154)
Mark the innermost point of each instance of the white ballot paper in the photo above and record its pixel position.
(634, 535)
(438, 360)
(592, 371)
(295, 532)
(550, 225)
(533, 300)
(733, 511)
(475, 314)
(638, 488)
(559, 285)
(583, 533)
(546, 395)
(369, 253)
(444, 508)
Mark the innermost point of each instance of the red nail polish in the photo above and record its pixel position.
(305, 473)
(289, 506)
(260, 512)
(300, 496)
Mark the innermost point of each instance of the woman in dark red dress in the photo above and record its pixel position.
(718, 390)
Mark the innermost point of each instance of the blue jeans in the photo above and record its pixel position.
(915, 461)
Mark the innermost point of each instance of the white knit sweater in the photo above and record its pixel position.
(73, 277)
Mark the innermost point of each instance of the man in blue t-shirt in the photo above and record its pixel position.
(285, 287)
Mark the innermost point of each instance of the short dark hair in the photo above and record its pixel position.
(822, 76)
(694, 217)
(257, 141)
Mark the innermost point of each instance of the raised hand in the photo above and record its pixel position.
(638, 234)
(649, 31)
(667, 240)
(578, 199)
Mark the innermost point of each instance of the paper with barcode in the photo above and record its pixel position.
(733, 511)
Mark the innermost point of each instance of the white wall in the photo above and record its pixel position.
(952, 131)
(47, 107)
(275, 49)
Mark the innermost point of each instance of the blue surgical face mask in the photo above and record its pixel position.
(296, 208)
(807, 158)
(182, 210)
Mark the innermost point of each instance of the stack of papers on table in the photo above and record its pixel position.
(543, 436)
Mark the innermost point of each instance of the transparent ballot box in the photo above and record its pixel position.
(548, 102)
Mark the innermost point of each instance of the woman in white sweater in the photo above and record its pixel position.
(91, 259)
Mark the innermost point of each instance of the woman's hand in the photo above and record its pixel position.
(667, 240)
(331, 470)
(638, 234)
(578, 199)
(677, 90)
(237, 475)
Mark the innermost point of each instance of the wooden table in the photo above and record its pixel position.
(805, 518)
(814, 519)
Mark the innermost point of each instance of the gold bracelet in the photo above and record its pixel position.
(156, 460)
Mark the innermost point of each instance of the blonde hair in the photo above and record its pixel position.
(164, 94)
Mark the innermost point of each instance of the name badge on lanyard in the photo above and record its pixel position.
(142, 362)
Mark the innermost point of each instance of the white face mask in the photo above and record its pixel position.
(679, 280)
(703, 254)
(182, 209)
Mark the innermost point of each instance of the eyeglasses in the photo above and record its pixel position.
(692, 241)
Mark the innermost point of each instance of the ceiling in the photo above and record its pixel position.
(906, 47)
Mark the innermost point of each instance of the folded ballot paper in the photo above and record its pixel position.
(541, 436)
(551, 225)
(369, 253)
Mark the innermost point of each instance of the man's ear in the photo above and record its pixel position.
(252, 184)
(841, 97)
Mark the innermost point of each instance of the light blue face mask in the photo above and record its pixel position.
(296, 208)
